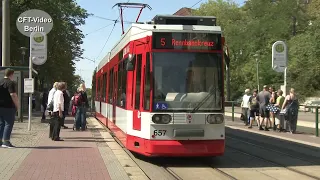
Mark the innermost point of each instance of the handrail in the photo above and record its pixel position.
(317, 118)
(232, 105)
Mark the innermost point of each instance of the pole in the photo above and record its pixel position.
(317, 121)
(30, 95)
(22, 93)
(294, 31)
(258, 83)
(5, 33)
(232, 111)
(285, 81)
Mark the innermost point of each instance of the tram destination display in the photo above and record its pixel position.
(186, 41)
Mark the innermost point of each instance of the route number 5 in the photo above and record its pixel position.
(159, 132)
(163, 41)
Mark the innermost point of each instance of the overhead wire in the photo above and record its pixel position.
(115, 22)
(195, 4)
(114, 25)
(98, 29)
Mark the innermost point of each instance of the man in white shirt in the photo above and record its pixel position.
(245, 106)
(50, 96)
(57, 113)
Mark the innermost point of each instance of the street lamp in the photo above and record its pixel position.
(257, 65)
(23, 52)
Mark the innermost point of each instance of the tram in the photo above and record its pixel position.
(161, 88)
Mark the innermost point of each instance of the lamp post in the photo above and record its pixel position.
(257, 66)
(23, 53)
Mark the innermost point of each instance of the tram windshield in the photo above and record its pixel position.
(182, 81)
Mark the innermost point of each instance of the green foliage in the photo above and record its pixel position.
(76, 83)
(94, 84)
(64, 40)
(253, 28)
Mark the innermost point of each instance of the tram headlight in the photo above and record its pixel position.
(161, 118)
(166, 119)
(215, 119)
(219, 119)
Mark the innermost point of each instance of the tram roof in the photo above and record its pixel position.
(139, 30)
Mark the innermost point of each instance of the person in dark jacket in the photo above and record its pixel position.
(66, 98)
(82, 106)
(44, 102)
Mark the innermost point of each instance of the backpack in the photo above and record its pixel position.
(74, 111)
(78, 99)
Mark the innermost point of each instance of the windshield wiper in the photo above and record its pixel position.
(204, 100)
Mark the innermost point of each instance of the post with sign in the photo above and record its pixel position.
(29, 88)
(280, 61)
(38, 56)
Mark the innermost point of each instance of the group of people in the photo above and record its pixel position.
(57, 105)
(56, 102)
(276, 111)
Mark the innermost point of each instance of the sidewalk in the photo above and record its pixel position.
(82, 155)
(305, 119)
(299, 137)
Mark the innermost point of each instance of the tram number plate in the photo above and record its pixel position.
(159, 132)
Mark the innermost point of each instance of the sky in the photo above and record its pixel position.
(97, 29)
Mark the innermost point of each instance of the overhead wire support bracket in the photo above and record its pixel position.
(131, 5)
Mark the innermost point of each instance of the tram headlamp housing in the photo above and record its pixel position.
(215, 119)
(161, 118)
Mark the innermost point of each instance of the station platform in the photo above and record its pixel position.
(305, 119)
(299, 137)
(90, 154)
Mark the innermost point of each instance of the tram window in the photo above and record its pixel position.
(98, 88)
(110, 86)
(124, 83)
(119, 85)
(146, 98)
(138, 81)
(104, 87)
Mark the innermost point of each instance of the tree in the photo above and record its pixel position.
(78, 80)
(64, 40)
(252, 29)
(93, 90)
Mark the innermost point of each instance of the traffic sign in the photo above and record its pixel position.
(28, 85)
(38, 47)
(279, 56)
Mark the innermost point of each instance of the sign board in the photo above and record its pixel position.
(279, 56)
(28, 85)
(38, 47)
(186, 41)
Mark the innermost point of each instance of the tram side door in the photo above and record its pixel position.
(137, 84)
(114, 96)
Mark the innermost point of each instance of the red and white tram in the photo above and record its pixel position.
(161, 88)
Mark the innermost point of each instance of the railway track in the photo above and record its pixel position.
(271, 161)
(160, 167)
